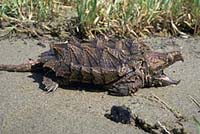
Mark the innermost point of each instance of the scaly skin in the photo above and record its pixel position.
(31, 66)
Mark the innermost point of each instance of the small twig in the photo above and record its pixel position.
(195, 101)
(163, 128)
(150, 98)
(176, 29)
(176, 114)
(158, 100)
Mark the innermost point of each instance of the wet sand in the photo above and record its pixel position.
(26, 109)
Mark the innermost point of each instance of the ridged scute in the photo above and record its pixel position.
(99, 61)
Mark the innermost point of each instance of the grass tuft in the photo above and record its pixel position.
(139, 17)
(26, 10)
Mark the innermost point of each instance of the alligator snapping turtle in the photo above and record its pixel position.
(120, 66)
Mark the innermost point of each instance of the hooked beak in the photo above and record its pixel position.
(164, 80)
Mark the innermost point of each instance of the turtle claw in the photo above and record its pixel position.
(50, 86)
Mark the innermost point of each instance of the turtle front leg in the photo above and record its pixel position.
(127, 85)
(49, 84)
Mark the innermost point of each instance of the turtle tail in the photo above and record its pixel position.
(31, 66)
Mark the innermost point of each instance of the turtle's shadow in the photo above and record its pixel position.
(38, 78)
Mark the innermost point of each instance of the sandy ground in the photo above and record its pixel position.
(26, 109)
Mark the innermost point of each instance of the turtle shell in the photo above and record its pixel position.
(98, 62)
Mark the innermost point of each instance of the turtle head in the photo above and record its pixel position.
(156, 63)
(159, 61)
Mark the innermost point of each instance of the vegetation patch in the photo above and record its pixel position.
(140, 17)
(122, 18)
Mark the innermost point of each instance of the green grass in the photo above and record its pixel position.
(198, 124)
(124, 18)
(26, 10)
(140, 17)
